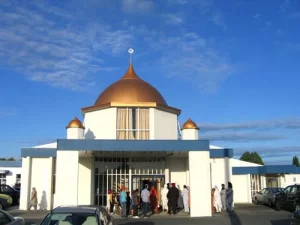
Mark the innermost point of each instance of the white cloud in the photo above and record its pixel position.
(8, 111)
(257, 18)
(191, 58)
(54, 48)
(240, 137)
(276, 151)
(254, 125)
(285, 5)
(172, 19)
(137, 6)
(61, 54)
(218, 19)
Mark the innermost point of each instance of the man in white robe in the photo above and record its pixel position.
(185, 196)
(217, 200)
(164, 199)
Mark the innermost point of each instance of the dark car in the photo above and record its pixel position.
(289, 198)
(17, 187)
(13, 193)
(4, 203)
(266, 196)
(80, 215)
(7, 219)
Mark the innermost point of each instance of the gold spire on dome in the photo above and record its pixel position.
(190, 124)
(130, 74)
(75, 123)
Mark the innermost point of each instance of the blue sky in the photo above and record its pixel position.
(232, 66)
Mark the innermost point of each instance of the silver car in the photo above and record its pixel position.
(7, 219)
(266, 196)
(78, 215)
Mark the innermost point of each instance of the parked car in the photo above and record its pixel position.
(7, 219)
(8, 190)
(289, 198)
(80, 215)
(17, 186)
(4, 203)
(266, 196)
(7, 197)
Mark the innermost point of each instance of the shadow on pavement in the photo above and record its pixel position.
(234, 219)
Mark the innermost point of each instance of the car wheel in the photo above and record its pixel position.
(269, 203)
(277, 206)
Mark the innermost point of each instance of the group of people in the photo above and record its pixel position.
(222, 199)
(171, 197)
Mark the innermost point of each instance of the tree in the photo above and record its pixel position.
(8, 159)
(252, 157)
(296, 161)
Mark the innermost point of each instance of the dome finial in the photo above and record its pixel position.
(130, 51)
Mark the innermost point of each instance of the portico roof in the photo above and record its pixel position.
(127, 146)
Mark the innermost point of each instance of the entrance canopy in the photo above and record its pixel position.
(137, 147)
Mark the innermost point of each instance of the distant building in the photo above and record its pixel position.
(10, 172)
(130, 137)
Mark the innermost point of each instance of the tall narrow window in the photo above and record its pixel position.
(2, 178)
(18, 178)
(133, 124)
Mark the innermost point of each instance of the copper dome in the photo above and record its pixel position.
(130, 89)
(75, 123)
(190, 124)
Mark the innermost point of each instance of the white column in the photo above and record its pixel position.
(187, 173)
(26, 183)
(263, 180)
(130, 177)
(167, 175)
(49, 194)
(228, 171)
(85, 180)
(200, 183)
(67, 166)
(248, 188)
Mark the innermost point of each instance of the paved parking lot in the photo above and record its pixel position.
(243, 215)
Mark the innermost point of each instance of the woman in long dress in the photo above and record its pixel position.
(213, 200)
(217, 200)
(33, 199)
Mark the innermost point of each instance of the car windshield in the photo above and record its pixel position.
(275, 190)
(71, 219)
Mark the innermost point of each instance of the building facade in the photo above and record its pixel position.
(130, 137)
(10, 172)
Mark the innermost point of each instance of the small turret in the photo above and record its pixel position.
(75, 129)
(190, 130)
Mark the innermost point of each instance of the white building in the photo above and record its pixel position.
(10, 172)
(130, 137)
